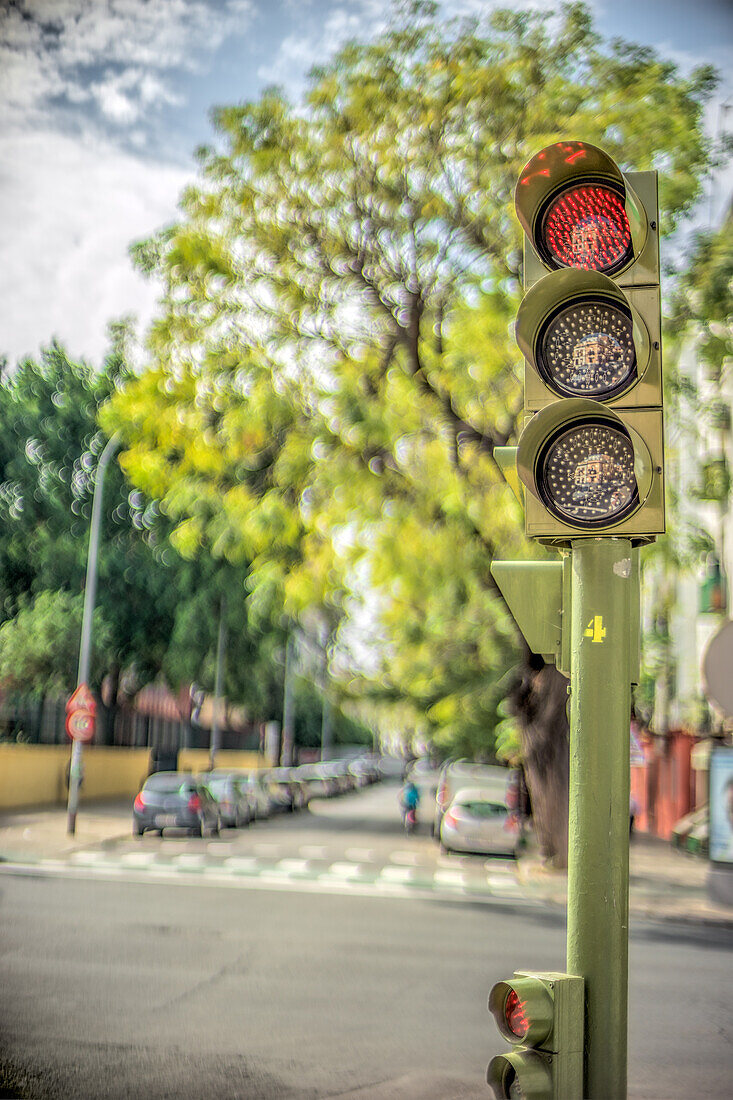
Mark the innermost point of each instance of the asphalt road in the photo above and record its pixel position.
(190, 989)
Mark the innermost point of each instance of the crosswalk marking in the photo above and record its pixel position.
(397, 874)
(220, 848)
(450, 878)
(190, 860)
(242, 863)
(360, 855)
(138, 859)
(266, 849)
(314, 851)
(293, 866)
(407, 859)
(341, 869)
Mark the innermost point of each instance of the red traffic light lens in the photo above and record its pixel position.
(588, 227)
(514, 1015)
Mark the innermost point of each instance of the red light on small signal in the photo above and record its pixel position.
(588, 227)
(515, 1016)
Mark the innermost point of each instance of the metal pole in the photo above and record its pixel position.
(220, 649)
(288, 734)
(326, 729)
(85, 648)
(598, 853)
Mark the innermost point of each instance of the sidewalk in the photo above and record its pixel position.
(665, 883)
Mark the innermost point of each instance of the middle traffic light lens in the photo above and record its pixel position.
(586, 474)
(588, 227)
(587, 350)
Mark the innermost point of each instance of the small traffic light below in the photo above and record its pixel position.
(590, 471)
(541, 1015)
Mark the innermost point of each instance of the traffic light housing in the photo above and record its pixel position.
(541, 1015)
(591, 454)
(578, 210)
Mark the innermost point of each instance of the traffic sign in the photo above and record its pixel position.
(80, 724)
(717, 666)
(82, 699)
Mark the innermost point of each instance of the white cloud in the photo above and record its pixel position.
(70, 209)
(49, 47)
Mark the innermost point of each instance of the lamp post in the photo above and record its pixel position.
(85, 648)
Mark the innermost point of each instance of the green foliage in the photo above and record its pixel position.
(333, 363)
(703, 304)
(39, 647)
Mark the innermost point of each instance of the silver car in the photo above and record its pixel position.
(476, 821)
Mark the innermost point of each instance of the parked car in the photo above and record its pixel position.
(283, 790)
(254, 784)
(236, 803)
(317, 784)
(476, 822)
(175, 800)
(456, 774)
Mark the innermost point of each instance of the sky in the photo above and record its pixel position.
(103, 103)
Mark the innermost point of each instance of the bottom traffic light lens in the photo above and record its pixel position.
(586, 474)
(513, 1087)
(515, 1016)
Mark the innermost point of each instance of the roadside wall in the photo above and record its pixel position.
(35, 775)
(663, 788)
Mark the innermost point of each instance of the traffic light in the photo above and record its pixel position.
(541, 1015)
(591, 455)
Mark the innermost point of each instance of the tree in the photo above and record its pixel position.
(332, 365)
(39, 647)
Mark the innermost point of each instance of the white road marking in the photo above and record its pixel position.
(138, 859)
(407, 859)
(266, 849)
(190, 859)
(293, 866)
(220, 849)
(343, 870)
(216, 876)
(241, 863)
(88, 857)
(451, 860)
(360, 855)
(498, 882)
(450, 878)
(396, 874)
(313, 851)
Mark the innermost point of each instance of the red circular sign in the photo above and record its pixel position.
(80, 725)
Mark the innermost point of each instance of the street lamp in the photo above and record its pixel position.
(85, 648)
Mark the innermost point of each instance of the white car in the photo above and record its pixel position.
(476, 821)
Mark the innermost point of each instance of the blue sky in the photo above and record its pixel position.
(102, 103)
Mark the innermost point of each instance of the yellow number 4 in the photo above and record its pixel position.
(595, 629)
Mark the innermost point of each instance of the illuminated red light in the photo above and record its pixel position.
(514, 1014)
(587, 227)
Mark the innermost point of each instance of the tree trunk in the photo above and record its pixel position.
(539, 699)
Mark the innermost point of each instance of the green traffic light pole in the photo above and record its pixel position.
(602, 579)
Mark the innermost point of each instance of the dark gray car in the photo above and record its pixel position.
(174, 800)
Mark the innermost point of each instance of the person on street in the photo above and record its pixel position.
(409, 798)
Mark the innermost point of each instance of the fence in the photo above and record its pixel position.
(40, 720)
